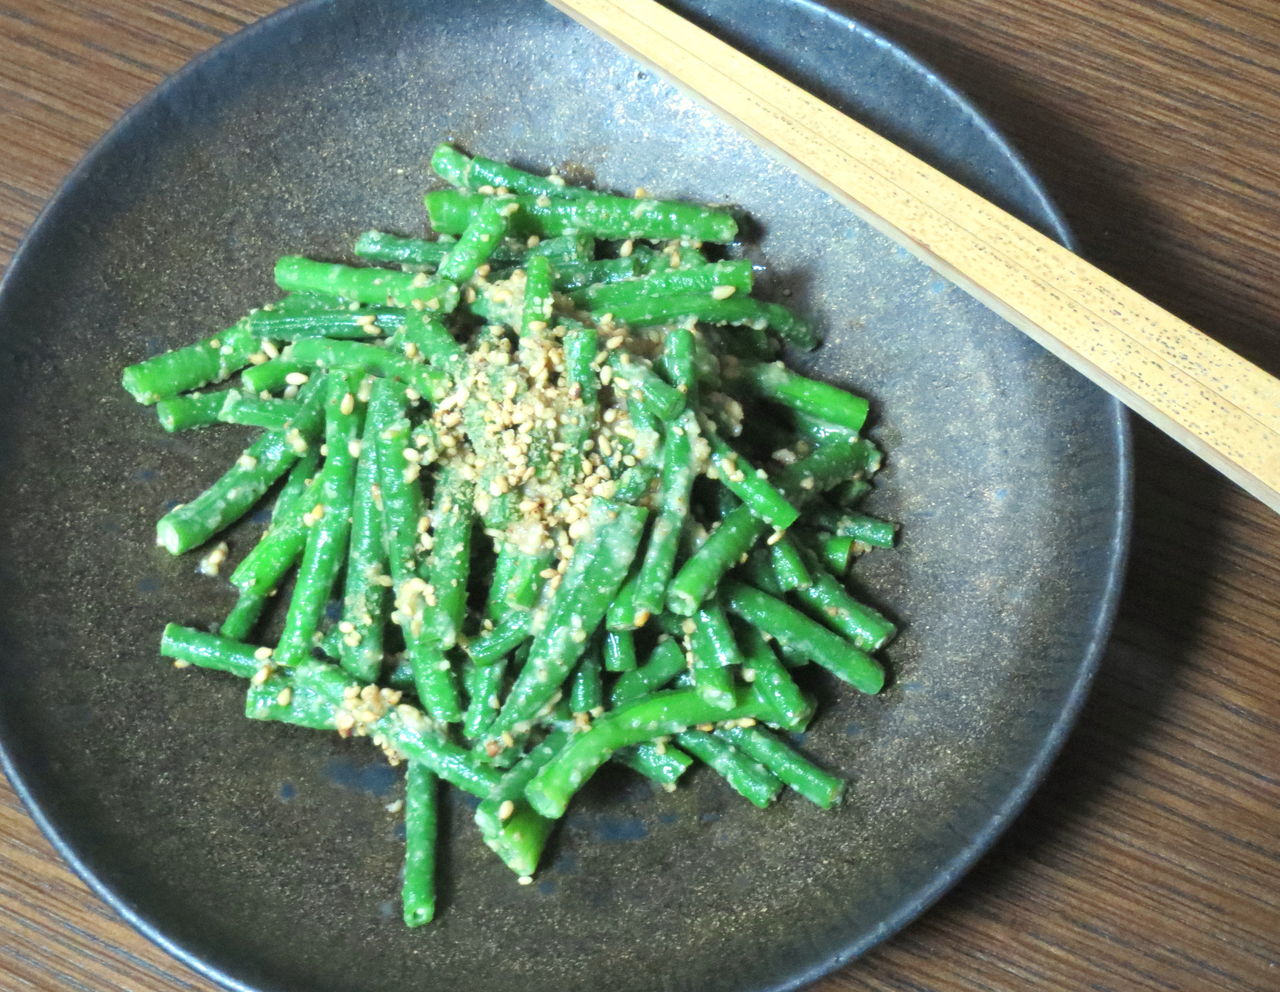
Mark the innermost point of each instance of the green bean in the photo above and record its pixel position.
(509, 826)
(732, 538)
(254, 411)
(410, 733)
(622, 615)
(571, 276)
(279, 549)
(183, 369)
(378, 246)
(759, 572)
(326, 548)
(244, 616)
(770, 679)
(838, 553)
(291, 696)
(740, 529)
(663, 765)
(679, 467)
(180, 413)
(368, 359)
(788, 566)
(421, 819)
(619, 648)
(376, 286)
(635, 483)
(719, 280)
(286, 514)
(742, 479)
(318, 691)
(191, 524)
(521, 591)
(449, 564)
(364, 597)
(363, 324)
(595, 572)
(271, 376)
(426, 336)
(581, 345)
(794, 630)
(665, 662)
(536, 311)
(821, 400)
(597, 214)
(828, 601)
(586, 695)
(849, 494)
(482, 684)
(299, 304)
(715, 655)
(651, 393)
(375, 246)
(196, 647)
(678, 363)
(484, 232)
(507, 634)
(796, 771)
(744, 310)
(401, 513)
(472, 173)
(642, 720)
(863, 528)
(751, 780)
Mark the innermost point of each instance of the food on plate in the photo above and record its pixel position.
(545, 496)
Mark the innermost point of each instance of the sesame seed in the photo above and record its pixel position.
(723, 292)
(297, 378)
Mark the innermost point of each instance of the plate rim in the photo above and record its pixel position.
(1036, 768)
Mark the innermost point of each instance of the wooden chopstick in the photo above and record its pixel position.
(1222, 407)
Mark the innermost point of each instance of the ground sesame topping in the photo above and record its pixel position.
(211, 564)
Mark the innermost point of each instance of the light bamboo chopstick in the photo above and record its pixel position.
(1222, 407)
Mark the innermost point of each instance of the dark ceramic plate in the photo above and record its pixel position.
(263, 855)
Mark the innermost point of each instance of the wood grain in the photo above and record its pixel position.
(1150, 858)
(1219, 405)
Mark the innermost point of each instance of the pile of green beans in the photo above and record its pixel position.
(547, 497)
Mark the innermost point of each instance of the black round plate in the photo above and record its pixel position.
(263, 855)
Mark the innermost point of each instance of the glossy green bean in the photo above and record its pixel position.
(643, 720)
(191, 524)
(183, 369)
(798, 633)
(747, 777)
(326, 548)
(364, 597)
(197, 647)
(795, 770)
(374, 286)
(421, 828)
(596, 571)
(598, 214)
(181, 413)
(619, 648)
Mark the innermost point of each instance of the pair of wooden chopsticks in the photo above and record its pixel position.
(1220, 406)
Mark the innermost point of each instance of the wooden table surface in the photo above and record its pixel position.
(1150, 859)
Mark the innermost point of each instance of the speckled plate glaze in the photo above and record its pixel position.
(263, 855)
